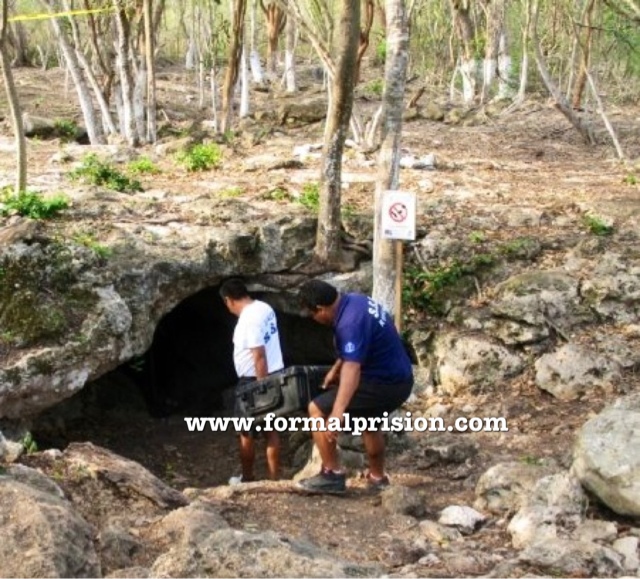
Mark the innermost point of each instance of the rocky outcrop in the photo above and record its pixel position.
(606, 458)
(42, 533)
(72, 314)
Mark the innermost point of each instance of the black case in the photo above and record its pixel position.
(284, 393)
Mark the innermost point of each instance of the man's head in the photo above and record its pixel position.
(234, 294)
(320, 299)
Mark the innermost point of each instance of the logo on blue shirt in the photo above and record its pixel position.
(349, 348)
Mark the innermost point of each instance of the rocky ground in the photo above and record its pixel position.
(513, 189)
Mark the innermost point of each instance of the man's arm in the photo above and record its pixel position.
(349, 382)
(260, 362)
(332, 378)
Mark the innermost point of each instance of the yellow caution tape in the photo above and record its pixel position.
(23, 17)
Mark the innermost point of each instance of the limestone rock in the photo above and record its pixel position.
(472, 363)
(573, 370)
(42, 535)
(606, 458)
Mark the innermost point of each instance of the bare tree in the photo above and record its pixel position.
(233, 67)
(276, 19)
(583, 128)
(584, 39)
(289, 56)
(365, 31)
(327, 248)
(468, 64)
(385, 255)
(125, 74)
(14, 102)
(149, 37)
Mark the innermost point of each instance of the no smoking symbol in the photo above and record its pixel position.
(398, 212)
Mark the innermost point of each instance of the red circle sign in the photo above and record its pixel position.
(398, 212)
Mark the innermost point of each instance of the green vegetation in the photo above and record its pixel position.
(231, 192)
(39, 299)
(100, 173)
(477, 237)
(201, 157)
(375, 86)
(29, 444)
(278, 194)
(597, 225)
(310, 196)
(89, 241)
(143, 165)
(67, 130)
(521, 247)
(31, 204)
(630, 179)
(381, 52)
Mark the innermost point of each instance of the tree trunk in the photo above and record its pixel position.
(123, 50)
(149, 52)
(289, 56)
(20, 45)
(495, 12)
(365, 32)
(583, 128)
(235, 51)
(504, 68)
(107, 121)
(468, 63)
(585, 53)
(327, 249)
(94, 130)
(384, 256)
(254, 57)
(275, 18)
(14, 104)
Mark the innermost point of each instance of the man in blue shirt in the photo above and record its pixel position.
(372, 376)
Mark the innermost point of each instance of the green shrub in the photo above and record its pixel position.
(477, 237)
(201, 157)
(67, 130)
(597, 225)
(100, 173)
(310, 196)
(231, 192)
(29, 444)
(143, 165)
(31, 204)
(375, 86)
(277, 194)
(89, 241)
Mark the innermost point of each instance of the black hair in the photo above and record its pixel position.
(316, 293)
(233, 288)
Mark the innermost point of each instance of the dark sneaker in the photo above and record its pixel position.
(376, 484)
(326, 482)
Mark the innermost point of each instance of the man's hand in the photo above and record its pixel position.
(332, 377)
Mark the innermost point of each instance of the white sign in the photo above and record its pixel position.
(398, 215)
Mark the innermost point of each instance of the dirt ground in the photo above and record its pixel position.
(531, 157)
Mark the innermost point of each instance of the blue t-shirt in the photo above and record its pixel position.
(365, 333)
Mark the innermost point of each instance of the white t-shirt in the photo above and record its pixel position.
(257, 326)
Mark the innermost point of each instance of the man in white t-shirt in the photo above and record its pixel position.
(256, 354)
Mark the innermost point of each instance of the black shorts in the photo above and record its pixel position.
(370, 400)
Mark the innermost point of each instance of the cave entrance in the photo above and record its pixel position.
(138, 409)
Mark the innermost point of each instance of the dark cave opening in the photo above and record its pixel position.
(187, 371)
(189, 366)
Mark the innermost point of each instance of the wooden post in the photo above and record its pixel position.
(398, 289)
